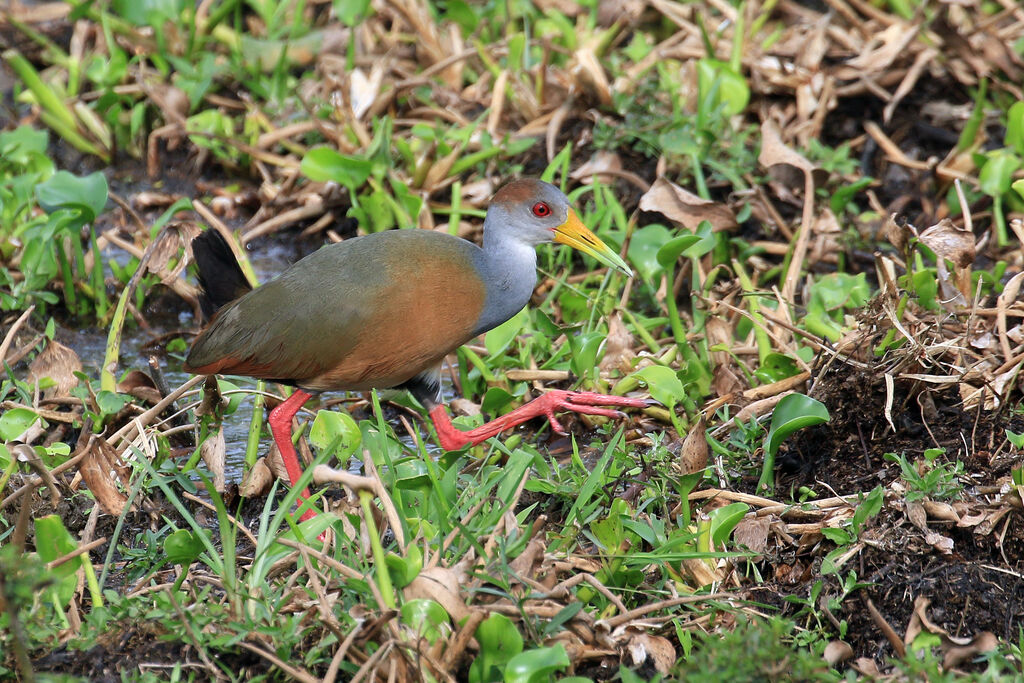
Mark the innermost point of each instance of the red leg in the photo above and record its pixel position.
(281, 427)
(586, 402)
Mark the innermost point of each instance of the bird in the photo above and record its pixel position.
(383, 310)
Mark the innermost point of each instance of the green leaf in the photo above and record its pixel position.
(412, 473)
(183, 547)
(111, 402)
(1018, 186)
(498, 339)
(351, 11)
(338, 429)
(499, 641)
(1015, 128)
(536, 665)
(733, 91)
(663, 383)
(725, 519)
(794, 412)
(1016, 439)
(426, 617)
(404, 569)
(53, 541)
(997, 173)
(148, 12)
(65, 190)
(669, 252)
(644, 247)
(15, 421)
(325, 164)
(495, 399)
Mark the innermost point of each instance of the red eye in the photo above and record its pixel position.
(541, 210)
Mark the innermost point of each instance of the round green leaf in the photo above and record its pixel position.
(663, 383)
(536, 665)
(793, 412)
(425, 617)
(335, 428)
(67, 191)
(15, 421)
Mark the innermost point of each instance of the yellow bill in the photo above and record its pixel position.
(578, 236)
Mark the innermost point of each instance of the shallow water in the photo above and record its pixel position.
(268, 260)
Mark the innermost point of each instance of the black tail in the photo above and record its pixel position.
(220, 276)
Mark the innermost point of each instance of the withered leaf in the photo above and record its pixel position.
(686, 208)
(59, 363)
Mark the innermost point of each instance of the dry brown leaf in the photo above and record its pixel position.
(598, 166)
(777, 157)
(443, 585)
(529, 561)
(883, 49)
(257, 480)
(956, 649)
(957, 245)
(956, 655)
(916, 514)
(697, 572)
(59, 363)
(644, 648)
(752, 532)
(213, 453)
(837, 652)
(618, 348)
(686, 208)
(141, 386)
(591, 75)
(98, 470)
(693, 456)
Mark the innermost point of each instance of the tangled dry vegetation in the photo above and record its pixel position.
(909, 489)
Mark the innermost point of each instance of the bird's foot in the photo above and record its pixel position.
(585, 402)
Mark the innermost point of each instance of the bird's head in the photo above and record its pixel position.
(535, 212)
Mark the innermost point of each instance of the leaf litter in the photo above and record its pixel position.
(903, 378)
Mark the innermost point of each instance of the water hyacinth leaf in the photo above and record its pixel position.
(337, 429)
(776, 366)
(426, 617)
(536, 665)
(111, 402)
(412, 474)
(663, 383)
(584, 353)
(53, 541)
(495, 400)
(183, 547)
(644, 247)
(15, 421)
(724, 521)
(499, 641)
(794, 412)
(65, 190)
(404, 569)
(324, 164)
(997, 173)
(498, 339)
(733, 91)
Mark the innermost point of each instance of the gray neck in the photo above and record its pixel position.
(509, 270)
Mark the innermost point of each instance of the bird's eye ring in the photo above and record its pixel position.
(541, 210)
